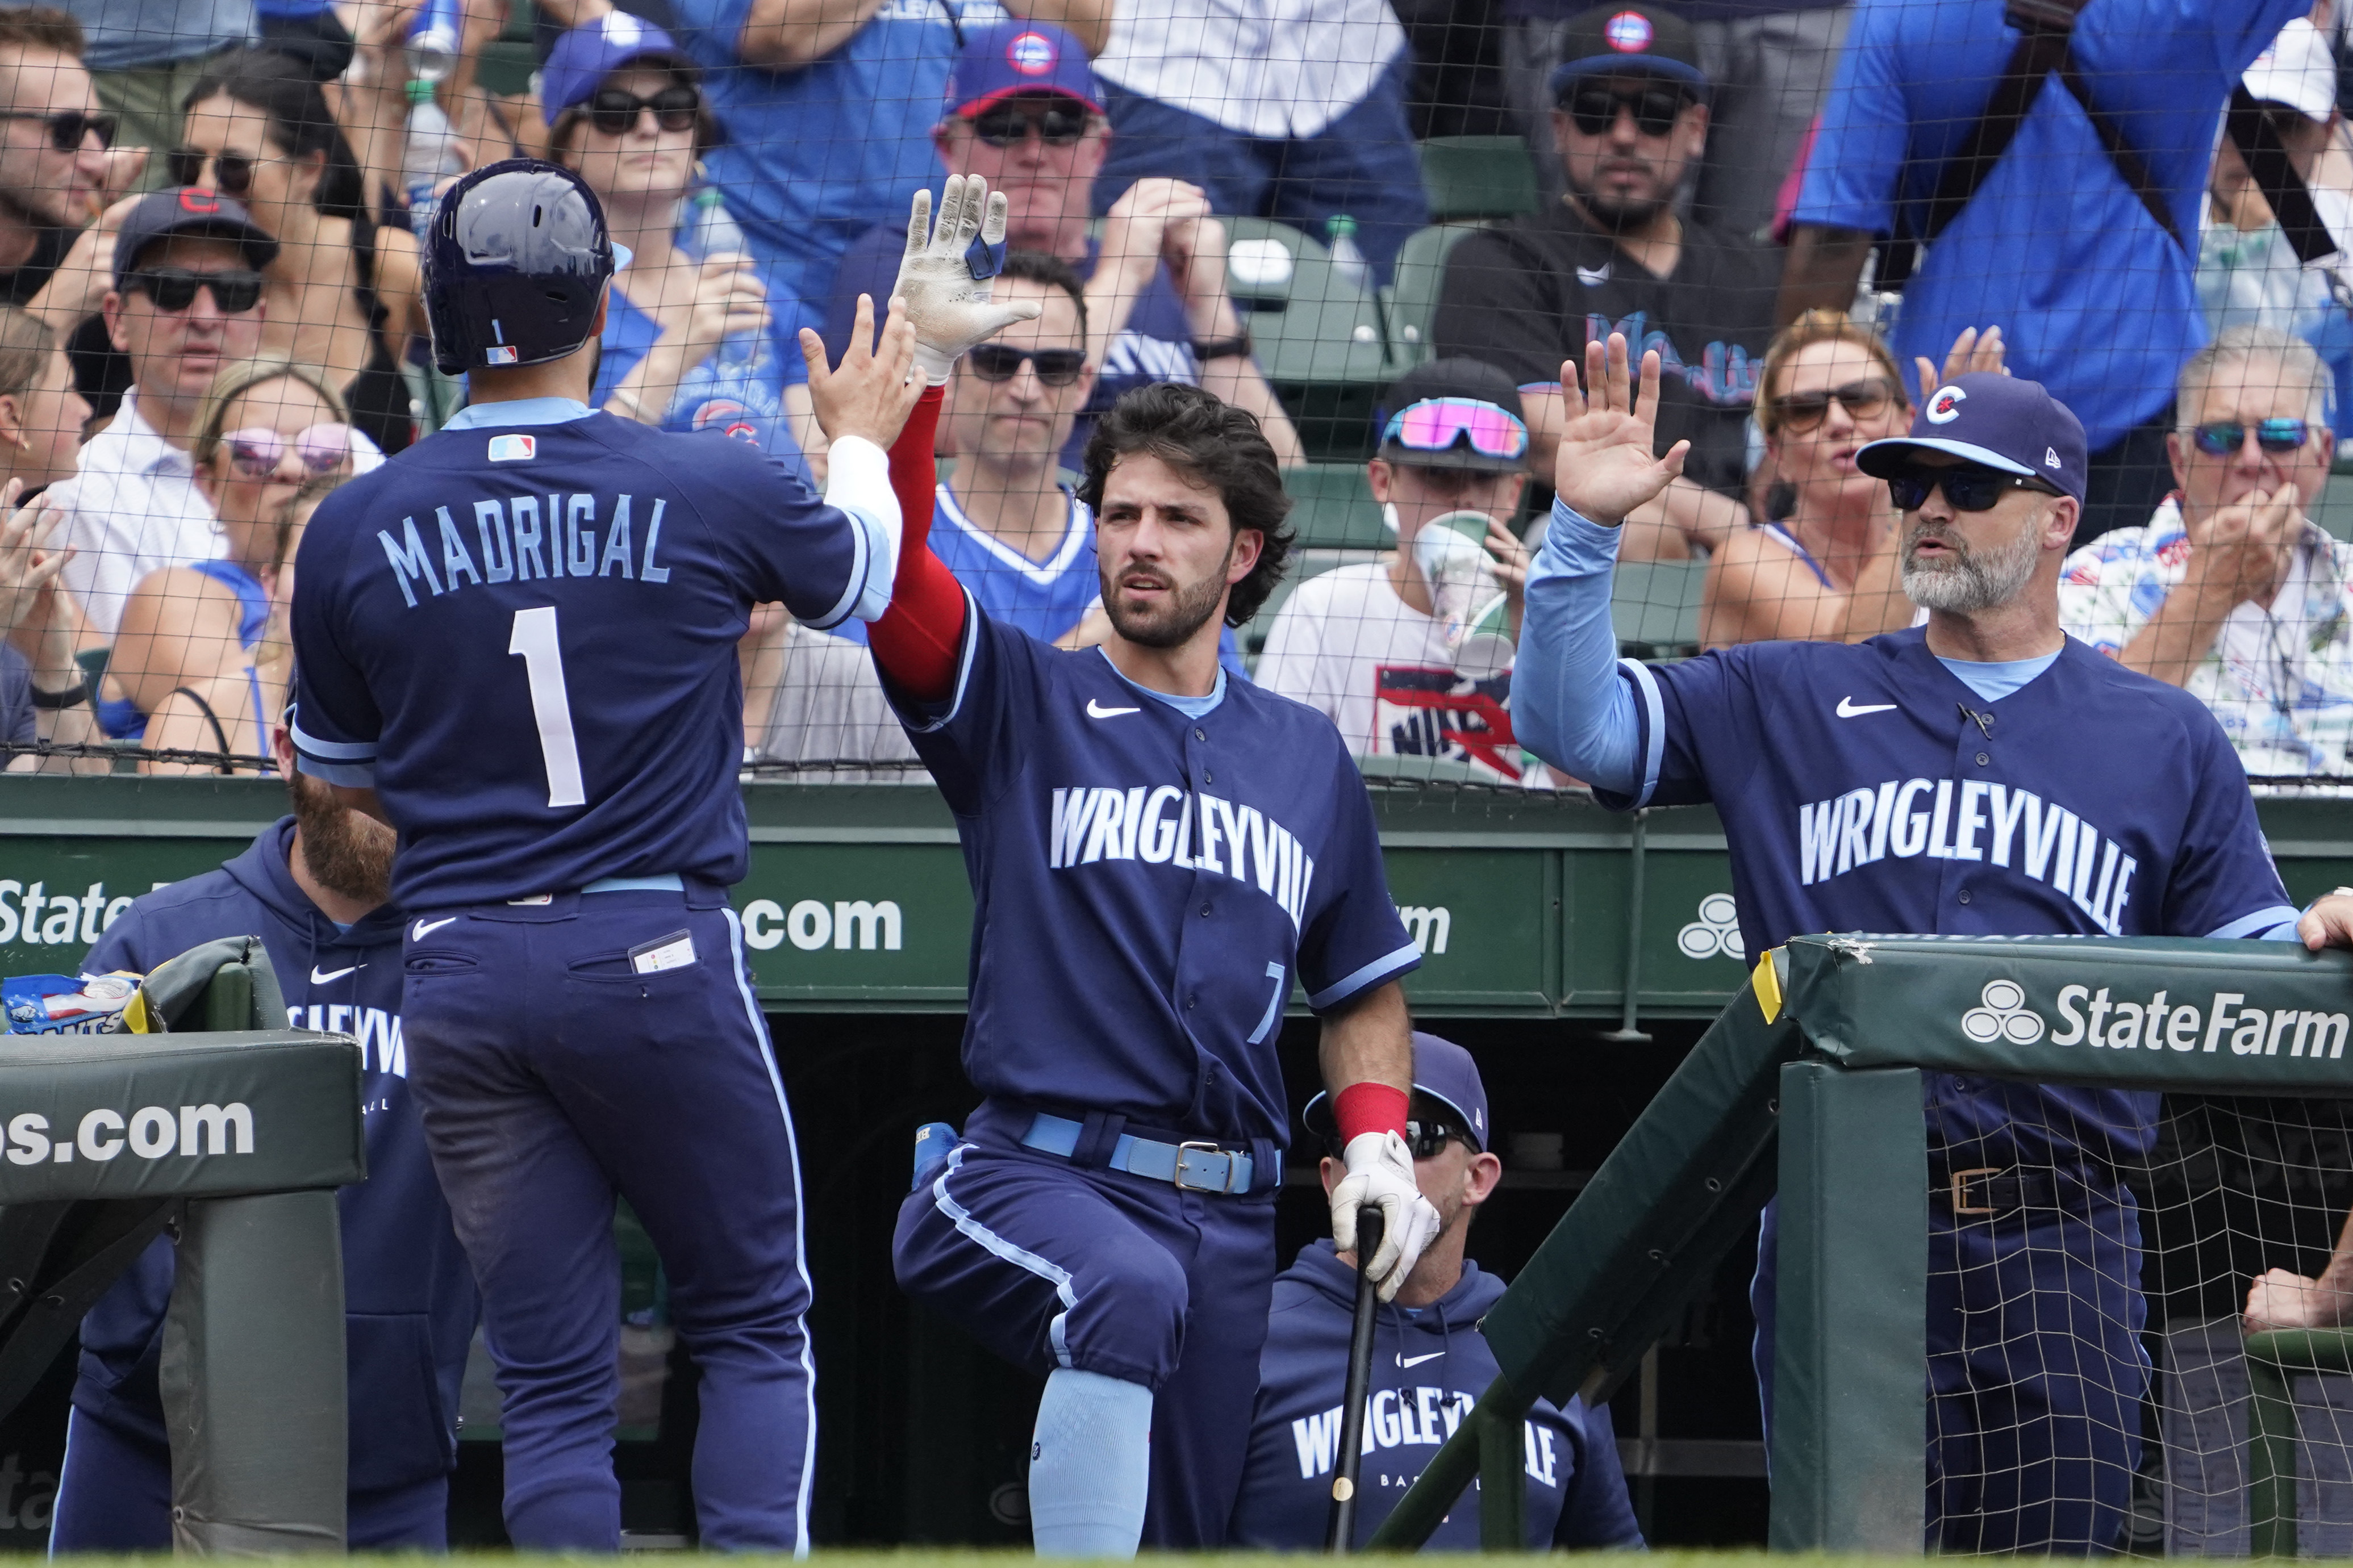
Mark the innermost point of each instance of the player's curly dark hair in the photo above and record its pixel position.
(1202, 436)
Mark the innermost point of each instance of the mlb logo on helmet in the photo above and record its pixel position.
(1945, 407)
(513, 449)
(499, 354)
(1629, 32)
(1031, 54)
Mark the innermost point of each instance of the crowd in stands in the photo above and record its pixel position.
(1815, 211)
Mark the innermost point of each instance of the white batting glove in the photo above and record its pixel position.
(948, 306)
(1380, 1175)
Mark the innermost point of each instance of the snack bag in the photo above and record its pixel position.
(68, 1004)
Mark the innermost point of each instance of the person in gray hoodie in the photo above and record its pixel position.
(1429, 1363)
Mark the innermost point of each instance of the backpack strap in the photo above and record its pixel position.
(2268, 164)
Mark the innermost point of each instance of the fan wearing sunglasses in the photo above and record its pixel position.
(2231, 591)
(1822, 561)
(269, 428)
(626, 112)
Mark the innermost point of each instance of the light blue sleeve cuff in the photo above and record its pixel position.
(1371, 975)
(2275, 924)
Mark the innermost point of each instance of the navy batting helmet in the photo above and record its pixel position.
(515, 262)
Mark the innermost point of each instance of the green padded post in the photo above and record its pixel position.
(1503, 1484)
(229, 1001)
(2273, 1360)
(1850, 1366)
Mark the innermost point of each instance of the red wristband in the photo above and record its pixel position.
(1369, 1107)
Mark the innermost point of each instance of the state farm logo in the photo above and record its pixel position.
(1717, 930)
(150, 1132)
(2004, 1017)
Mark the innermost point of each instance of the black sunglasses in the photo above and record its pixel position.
(233, 170)
(173, 289)
(1970, 490)
(615, 113)
(1595, 110)
(2224, 439)
(1801, 411)
(1056, 367)
(68, 127)
(1008, 125)
(1424, 1138)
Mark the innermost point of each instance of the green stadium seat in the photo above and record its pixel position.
(1473, 178)
(1331, 508)
(1413, 298)
(1654, 606)
(1320, 337)
(2334, 512)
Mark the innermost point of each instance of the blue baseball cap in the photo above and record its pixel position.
(190, 210)
(1999, 422)
(587, 54)
(1442, 1071)
(1016, 60)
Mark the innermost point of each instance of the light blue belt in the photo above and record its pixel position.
(668, 882)
(1193, 1167)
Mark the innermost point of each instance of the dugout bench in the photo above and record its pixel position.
(231, 1136)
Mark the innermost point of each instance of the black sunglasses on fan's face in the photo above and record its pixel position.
(1970, 490)
(1056, 367)
(1801, 411)
(615, 113)
(1009, 124)
(173, 289)
(1595, 110)
(68, 127)
(232, 171)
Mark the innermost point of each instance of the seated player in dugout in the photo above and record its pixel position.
(1431, 1363)
(1199, 845)
(1411, 655)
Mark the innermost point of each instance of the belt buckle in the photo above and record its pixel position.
(1227, 1185)
(1961, 1179)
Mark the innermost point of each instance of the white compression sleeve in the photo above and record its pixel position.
(858, 482)
(1089, 1466)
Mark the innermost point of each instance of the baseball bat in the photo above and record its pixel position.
(1341, 1536)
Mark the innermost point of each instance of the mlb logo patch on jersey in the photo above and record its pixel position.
(499, 354)
(513, 449)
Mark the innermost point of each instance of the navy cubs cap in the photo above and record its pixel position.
(185, 209)
(1630, 40)
(1442, 1071)
(586, 55)
(1997, 421)
(1019, 59)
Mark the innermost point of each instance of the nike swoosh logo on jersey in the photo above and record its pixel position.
(1097, 710)
(1593, 277)
(426, 928)
(1418, 1360)
(1847, 709)
(318, 979)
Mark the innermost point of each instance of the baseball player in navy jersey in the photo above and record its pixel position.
(1980, 775)
(1197, 848)
(313, 887)
(517, 647)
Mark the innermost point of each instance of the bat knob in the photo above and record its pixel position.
(1343, 1488)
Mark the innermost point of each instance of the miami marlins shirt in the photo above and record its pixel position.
(1149, 882)
(523, 634)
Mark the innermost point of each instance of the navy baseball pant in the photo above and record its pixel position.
(1053, 1265)
(2036, 1370)
(553, 1075)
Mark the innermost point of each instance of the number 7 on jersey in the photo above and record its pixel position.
(551, 708)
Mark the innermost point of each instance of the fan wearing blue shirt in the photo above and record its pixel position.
(1430, 1364)
(1984, 774)
(2098, 300)
(1025, 113)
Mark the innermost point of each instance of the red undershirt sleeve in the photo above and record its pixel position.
(916, 640)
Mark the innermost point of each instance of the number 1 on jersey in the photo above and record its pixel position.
(543, 663)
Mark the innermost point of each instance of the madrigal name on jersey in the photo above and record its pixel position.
(2015, 829)
(520, 544)
(1190, 832)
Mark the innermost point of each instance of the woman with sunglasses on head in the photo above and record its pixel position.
(1821, 565)
(343, 293)
(267, 428)
(686, 338)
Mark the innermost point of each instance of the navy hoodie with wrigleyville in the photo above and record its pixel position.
(1430, 1366)
(409, 1293)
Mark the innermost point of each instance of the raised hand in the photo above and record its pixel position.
(26, 573)
(1971, 351)
(1604, 468)
(869, 394)
(949, 306)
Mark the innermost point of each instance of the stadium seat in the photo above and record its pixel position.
(1319, 336)
(1477, 178)
(2334, 512)
(1331, 509)
(1413, 298)
(506, 63)
(1654, 606)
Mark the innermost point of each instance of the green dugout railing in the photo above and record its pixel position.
(1810, 1083)
(1525, 906)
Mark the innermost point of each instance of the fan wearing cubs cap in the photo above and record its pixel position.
(1983, 775)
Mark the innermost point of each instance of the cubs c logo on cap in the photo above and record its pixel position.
(1031, 54)
(729, 416)
(204, 203)
(1629, 32)
(1945, 407)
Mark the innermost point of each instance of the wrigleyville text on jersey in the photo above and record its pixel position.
(2014, 829)
(1188, 832)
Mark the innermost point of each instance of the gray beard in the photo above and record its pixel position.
(1974, 580)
